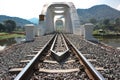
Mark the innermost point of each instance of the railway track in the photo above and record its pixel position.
(59, 59)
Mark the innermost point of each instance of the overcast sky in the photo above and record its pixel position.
(32, 8)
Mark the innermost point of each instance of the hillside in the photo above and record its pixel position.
(19, 21)
(98, 12)
(34, 20)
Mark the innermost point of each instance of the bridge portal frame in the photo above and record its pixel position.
(72, 22)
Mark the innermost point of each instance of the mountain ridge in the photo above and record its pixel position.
(98, 12)
(34, 20)
(19, 21)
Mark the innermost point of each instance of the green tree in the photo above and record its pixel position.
(10, 25)
(117, 21)
(93, 20)
(2, 27)
(117, 24)
(106, 22)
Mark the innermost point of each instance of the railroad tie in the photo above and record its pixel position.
(86, 54)
(50, 61)
(31, 55)
(24, 61)
(92, 60)
(99, 68)
(15, 70)
(58, 71)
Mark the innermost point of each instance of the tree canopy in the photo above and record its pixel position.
(107, 24)
(8, 26)
(2, 27)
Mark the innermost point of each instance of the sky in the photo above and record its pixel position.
(32, 8)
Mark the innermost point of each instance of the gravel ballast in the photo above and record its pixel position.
(10, 57)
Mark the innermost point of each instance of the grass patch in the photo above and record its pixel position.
(10, 36)
(3, 33)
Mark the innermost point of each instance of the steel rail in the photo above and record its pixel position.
(65, 42)
(95, 74)
(52, 47)
(29, 68)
